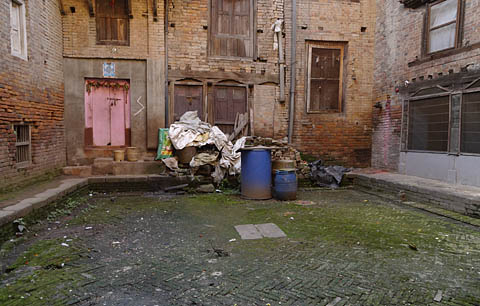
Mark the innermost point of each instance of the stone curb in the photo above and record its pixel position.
(26, 206)
(463, 199)
(67, 186)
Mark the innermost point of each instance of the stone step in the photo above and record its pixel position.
(106, 166)
(80, 171)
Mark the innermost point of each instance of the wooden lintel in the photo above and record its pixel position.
(60, 4)
(243, 77)
(129, 8)
(155, 10)
(90, 8)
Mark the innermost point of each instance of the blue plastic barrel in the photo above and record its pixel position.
(256, 173)
(285, 185)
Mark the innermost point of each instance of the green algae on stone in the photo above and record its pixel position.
(43, 275)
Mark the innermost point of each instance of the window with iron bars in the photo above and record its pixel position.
(23, 154)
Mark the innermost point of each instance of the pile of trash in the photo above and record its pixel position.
(213, 149)
(327, 176)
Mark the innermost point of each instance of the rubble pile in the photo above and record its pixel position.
(281, 150)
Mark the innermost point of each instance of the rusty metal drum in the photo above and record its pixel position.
(256, 173)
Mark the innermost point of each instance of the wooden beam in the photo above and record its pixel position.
(155, 10)
(129, 8)
(90, 8)
(243, 77)
(60, 4)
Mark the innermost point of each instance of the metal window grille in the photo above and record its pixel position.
(22, 144)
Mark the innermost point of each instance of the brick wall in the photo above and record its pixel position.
(31, 92)
(345, 137)
(146, 35)
(398, 58)
(188, 53)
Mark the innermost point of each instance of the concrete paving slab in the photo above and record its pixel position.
(270, 230)
(248, 231)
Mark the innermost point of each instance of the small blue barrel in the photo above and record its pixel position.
(256, 173)
(285, 185)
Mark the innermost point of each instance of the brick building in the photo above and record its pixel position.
(32, 138)
(426, 92)
(330, 122)
(114, 61)
(332, 102)
(221, 61)
(130, 67)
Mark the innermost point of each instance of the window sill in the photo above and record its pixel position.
(323, 112)
(231, 58)
(112, 43)
(442, 54)
(22, 165)
(20, 56)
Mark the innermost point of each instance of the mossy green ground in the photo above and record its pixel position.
(326, 228)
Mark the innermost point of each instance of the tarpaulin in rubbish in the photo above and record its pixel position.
(327, 176)
(190, 131)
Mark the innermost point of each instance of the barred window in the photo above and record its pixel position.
(428, 124)
(471, 123)
(23, 154)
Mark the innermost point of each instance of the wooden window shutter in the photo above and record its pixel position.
(112, 22)
(232, 28)
(325, 74)
(15, 28)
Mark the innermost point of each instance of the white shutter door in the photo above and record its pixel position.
(15, 29)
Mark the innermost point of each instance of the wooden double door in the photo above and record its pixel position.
(225, 103)
(107, 114)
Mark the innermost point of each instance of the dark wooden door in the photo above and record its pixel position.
(229, 101)
(188, 98)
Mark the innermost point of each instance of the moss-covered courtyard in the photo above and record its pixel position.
(344, 247)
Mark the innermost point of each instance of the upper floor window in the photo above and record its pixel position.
(443, 25)
(112, 22)
(231, 28)
(324, 77)
(18, 30)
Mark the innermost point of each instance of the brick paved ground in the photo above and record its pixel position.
(348, 248)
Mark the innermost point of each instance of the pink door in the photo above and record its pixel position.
(107, 113)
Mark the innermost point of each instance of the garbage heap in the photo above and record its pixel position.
(213, 155)
(281, 150)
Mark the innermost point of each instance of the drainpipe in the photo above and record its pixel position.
(291, 110)
(165, 33)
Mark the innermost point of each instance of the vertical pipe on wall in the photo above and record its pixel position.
(291, 111)
(281, 62)
(165, 33)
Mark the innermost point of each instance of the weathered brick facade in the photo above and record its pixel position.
(343, 137)
(146, 35)
(31, 92)
(140, 62)
(399, 41)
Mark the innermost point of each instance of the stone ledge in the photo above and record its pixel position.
(458, 198)
(25, 206)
